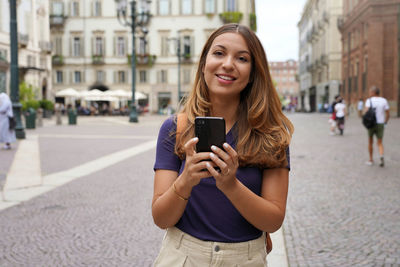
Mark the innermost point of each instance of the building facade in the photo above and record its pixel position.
(91, 49)
(284, 74)
(370, 39)
(34, 47)
(319, 53)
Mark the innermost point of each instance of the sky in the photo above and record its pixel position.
(277, 27)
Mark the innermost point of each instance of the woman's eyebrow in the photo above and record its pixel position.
(239, 52)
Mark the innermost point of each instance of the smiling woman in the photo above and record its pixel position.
(222, 216)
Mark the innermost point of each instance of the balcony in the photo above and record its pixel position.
(143, 59)
(57, 20)
(23, 39)
(58, 60)
(45, 46)
(97, 59)
(187, 58)
(231, 17)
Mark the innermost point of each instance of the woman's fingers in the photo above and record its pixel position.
(190, 146)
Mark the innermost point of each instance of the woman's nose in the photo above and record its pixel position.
(228, 63)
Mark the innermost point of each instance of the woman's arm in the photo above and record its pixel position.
(172, 191)
(268, 211)
(265, 212)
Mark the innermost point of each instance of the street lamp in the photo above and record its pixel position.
(14, 90)
(136, 19)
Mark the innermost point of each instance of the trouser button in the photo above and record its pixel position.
(216, 248)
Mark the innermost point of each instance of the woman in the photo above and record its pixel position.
(219, 217)
(7, 135)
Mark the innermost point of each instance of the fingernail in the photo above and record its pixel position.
(208, 165)
(195, 139)
(214, 148)
(212, 155)
(225, 145)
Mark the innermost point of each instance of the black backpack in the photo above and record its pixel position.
(369, 118)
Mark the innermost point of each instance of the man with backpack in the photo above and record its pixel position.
(381, 109)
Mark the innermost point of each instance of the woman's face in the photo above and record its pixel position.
(228, 65)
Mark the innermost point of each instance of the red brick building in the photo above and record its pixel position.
(284, 75)
(370, 55)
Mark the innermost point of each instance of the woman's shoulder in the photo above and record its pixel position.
(169, 124)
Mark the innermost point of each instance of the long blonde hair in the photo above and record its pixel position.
(263, 131)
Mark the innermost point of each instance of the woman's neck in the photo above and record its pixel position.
(226, 108)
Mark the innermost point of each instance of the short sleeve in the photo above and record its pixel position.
(165, 157)
(386, 105)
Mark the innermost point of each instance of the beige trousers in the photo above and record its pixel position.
(181, 249)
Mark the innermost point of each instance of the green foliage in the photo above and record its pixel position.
(231, 17)
(253, 22)
(26, 92)
(27, 95)
(30, 104)
(46, 105)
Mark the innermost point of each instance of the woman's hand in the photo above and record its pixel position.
(195, 166)
(228, 162)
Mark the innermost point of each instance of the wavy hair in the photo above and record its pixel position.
(263, 132)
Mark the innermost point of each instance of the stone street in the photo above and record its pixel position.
(340, 211)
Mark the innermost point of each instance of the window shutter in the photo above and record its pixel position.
(103, 40)
(84, 76)
(115, 76)
(126, 46)
(192, 46)
(93, 46)
(70, 77)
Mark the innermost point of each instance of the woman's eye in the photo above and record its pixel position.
(218, 53)
(243, 59)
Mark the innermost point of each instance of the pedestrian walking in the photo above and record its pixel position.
(381, 107)
(332, 118)
(360, 107)
(340, 110)
(7, 133)
(218, 218)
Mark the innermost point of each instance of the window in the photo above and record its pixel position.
(75, 9)
(186, 7)
(210, 6)
(59, 77)
(163, 76)
(164, 46)
(142, 46)
(77, 77)
(163, 7)
(97, 8)
(100, 77)
(186, 46)
(98, 49)
(230, 5)
(76, 47)
(58, 8)
(58, 45)
(142, 76)
(121, 76)
(121, 46)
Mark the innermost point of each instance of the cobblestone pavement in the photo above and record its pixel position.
(103, 219)
(340, 211)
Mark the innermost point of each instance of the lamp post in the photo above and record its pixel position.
(14, 90)
(179, 55)
(143, 19)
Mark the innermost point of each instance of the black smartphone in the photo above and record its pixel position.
(210, 131)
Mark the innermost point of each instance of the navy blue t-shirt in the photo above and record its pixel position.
(209, 215)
